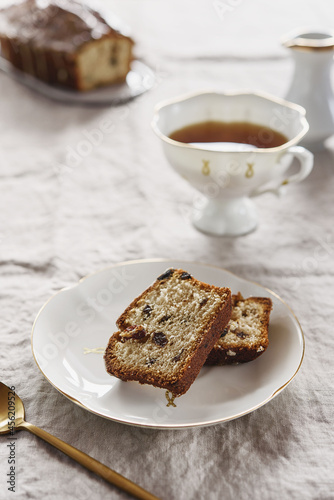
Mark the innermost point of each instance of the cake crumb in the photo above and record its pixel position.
(170, 398)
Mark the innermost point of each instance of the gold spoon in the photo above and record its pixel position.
(12, 419)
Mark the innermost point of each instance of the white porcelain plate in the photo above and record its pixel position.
(140, 79)
(83, 317)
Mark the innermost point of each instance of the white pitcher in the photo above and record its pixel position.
(312, 52)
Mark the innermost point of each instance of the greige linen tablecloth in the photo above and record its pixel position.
(62, 219)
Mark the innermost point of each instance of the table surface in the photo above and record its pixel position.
(60, 221)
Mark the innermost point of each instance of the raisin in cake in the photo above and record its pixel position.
(246, 335)
(64, 42)
(166, 334)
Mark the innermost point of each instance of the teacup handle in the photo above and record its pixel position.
(305, 158)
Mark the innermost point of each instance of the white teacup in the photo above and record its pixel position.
(230, 174)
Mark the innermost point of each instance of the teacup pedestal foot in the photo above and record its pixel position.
(228, 217)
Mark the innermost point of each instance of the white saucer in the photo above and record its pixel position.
(140, 79)
(84, 316)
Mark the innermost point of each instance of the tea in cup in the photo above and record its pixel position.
(232, 147)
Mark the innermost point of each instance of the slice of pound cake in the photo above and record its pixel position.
(246, 335)
(166, 334)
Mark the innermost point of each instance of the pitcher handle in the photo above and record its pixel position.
(305, 158)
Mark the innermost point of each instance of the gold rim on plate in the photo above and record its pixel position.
(172, 426)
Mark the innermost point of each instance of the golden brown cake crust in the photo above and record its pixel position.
(241, 349)
(59, 25)
(180, 381)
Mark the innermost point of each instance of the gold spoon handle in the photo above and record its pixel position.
(90, 463)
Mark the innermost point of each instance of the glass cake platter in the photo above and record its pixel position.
(140, 79)
(72, 330)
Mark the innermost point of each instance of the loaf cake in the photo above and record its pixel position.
(246, 335)
(64, 42)
(166, 334)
